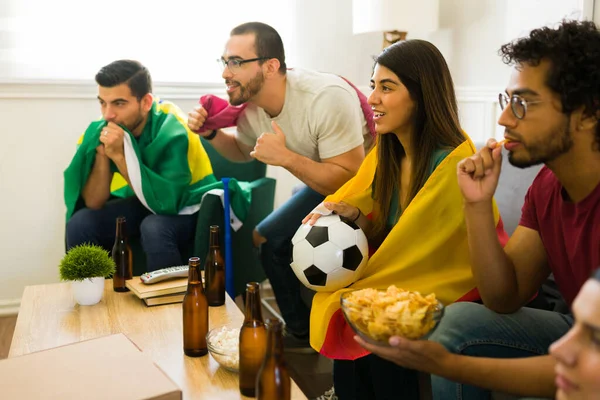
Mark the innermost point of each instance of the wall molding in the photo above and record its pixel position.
(70, 90)
(477, 94)
(479, 111)
(465, 94)
(80, 89)
(478, 105)
(9, 307)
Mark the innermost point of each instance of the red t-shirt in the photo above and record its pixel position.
(570, 231)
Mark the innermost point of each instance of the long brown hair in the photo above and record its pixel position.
(422, 69)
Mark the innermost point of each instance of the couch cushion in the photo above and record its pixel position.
(222, 167)
(511, 190)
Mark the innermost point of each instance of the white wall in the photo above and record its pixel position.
(40, 127)
(40, 123)
(324, 40)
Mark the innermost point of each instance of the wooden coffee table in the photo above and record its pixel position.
(49, 317)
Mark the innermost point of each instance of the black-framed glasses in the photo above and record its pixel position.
(234, 64)
(518, 105)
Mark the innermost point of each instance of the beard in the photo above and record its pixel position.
(560, 142)
(246, 92)
(136, 121)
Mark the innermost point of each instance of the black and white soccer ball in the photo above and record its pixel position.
(329, 255)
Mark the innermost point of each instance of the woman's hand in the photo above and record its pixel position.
(422, 355)
(342, 209)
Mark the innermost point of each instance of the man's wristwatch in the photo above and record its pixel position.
(212, 135)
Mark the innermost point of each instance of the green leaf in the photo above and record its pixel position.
(86, 261)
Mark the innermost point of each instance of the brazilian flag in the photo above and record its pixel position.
(168, 168)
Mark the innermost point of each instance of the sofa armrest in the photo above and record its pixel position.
(246, 264)
(263, 200)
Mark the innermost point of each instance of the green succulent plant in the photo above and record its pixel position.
(86, 261)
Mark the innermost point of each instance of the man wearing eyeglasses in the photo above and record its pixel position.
(307, 122)
(550, 113)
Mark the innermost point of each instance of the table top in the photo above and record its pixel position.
(49, 317)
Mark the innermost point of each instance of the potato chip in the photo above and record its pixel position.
(394, 312)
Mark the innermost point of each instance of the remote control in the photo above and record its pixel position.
(166, 273)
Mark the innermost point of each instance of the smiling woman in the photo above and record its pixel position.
(403, 195)
(46, 42)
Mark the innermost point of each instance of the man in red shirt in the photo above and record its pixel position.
(550, 114)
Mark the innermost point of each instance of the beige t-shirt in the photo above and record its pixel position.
(321, 116)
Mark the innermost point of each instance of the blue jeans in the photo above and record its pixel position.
(163, 237)
(472, 329)
(276, 254)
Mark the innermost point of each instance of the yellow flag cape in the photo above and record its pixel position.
(425, 251)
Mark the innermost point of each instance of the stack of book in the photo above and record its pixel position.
(165, 292)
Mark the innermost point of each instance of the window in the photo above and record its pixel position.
(178, 40)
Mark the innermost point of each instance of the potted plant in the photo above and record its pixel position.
(86, 266)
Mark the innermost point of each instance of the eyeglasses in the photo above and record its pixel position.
(518, 105)
(234, 64)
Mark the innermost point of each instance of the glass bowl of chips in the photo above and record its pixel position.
(376, 314)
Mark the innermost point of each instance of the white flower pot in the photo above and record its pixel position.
(88, 291)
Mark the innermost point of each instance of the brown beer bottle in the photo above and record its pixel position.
(273, 381)
(253, 341)
(195, 313)
(214, 270)
(121, 254)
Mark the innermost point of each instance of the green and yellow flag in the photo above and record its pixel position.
(168, 168)
(426, 251)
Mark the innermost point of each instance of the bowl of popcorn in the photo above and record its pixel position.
(223, 345)
(376, 315)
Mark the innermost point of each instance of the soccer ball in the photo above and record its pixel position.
(329, 255)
